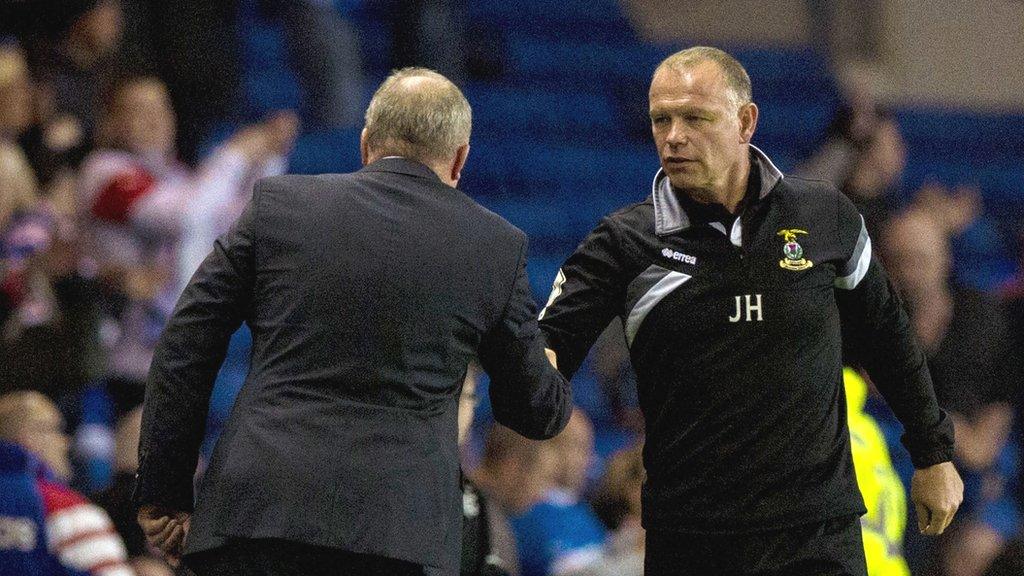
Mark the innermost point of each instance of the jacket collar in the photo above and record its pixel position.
(669, 215)
(399, 165)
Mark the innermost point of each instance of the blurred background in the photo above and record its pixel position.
(131, 132)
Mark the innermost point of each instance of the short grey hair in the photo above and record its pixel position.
(419, 114)
(736, 76)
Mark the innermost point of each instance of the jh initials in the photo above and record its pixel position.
(750, 308)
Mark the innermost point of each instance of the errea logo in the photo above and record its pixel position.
(678, 256)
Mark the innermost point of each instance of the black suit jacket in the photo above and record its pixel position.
(367, 294)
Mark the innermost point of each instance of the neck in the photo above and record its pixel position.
(438, 168)
(736, 185)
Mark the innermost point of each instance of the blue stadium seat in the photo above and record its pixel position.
(597, 20)
(326, 151)
(564, 116)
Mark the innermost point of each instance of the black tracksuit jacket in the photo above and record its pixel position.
(736, 329)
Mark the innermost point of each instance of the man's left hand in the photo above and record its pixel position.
(937, 492)
(165, 530)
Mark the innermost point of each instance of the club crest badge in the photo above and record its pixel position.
(793, 252)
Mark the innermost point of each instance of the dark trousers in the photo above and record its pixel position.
(261, 557)
(830, 548)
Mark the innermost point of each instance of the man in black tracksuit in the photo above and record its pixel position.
(738, 289)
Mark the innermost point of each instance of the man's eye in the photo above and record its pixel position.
(659, 119)
(694, 119)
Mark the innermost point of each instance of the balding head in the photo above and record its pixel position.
(733, 74)
(31, 420)
(417, 114)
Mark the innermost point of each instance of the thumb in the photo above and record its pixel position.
(923, 516)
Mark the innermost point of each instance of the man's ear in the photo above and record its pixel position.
(748, 122)
(461, 154)
(364, 150)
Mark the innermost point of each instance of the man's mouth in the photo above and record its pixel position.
(679, 161)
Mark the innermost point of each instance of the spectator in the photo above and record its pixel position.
(488, 547)
(51, 145)
(47, 307)
(862, 153)
(18, 184)
(617, 503)
(966, 341)
(560, 533)
(78, 534)
(193, 45)
(74, 52)
(151, 220)
(514, 471)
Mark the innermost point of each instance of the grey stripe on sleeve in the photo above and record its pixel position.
(851, 273)
(644, 293)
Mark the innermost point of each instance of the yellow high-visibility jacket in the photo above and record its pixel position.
(884, 495)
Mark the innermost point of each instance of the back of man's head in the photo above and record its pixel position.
(417, 114)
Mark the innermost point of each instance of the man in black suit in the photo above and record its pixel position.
(367, 295)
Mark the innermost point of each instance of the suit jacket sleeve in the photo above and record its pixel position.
(185, 364)
(527, 394)
(877, 335)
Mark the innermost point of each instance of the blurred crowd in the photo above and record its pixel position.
(108, 201)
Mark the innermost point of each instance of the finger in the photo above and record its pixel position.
(950, 515)
(935, 523)
(173, 542)
(162, 536)
(153, 526)
(923, 517)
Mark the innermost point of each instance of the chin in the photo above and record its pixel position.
(684, 180)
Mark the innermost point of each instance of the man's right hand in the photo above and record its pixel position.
(165, 530)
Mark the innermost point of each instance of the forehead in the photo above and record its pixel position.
(698, 84)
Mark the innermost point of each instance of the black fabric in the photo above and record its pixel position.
(831, 548)
(268, 557)
(367, 295)
(481, 551)
(745, 417)
(116, 499)
(476, 533)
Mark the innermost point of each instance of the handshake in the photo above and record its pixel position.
(165, 531)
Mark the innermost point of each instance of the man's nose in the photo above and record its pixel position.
(677, 134)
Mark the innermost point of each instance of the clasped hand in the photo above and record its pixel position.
(165, 530)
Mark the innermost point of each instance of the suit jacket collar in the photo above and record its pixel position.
(669, 215)
(399, 165)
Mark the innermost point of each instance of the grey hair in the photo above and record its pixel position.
(419, 114)
(736, 76)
